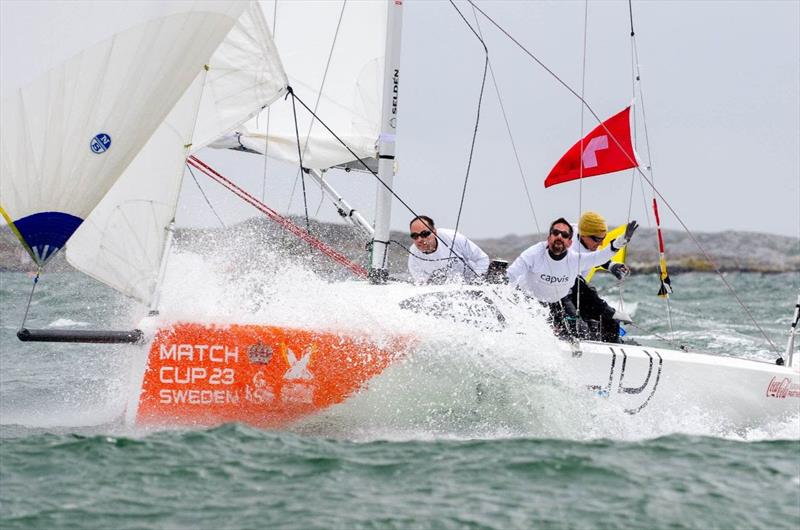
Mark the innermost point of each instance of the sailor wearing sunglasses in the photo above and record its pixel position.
(592, 230)
(548, 270)
(439, 255)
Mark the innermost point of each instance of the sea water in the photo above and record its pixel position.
(409, 452)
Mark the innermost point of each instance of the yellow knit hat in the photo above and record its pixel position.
(592, 224)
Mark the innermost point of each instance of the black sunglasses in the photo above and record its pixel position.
(562, 233)
(417, 235)
(596, 239)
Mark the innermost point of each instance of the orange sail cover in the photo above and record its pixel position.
(260, 375)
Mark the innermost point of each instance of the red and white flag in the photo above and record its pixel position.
(608, 148)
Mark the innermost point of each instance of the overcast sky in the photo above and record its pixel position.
(721, 86)
(722, 99)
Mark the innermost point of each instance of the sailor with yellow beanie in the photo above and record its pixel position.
(592, 224)
(592, 229)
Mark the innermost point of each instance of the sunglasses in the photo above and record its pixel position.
(417, 235)
(596, 239)
(556, 232)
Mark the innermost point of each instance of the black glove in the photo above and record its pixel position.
(619, 270)
(629, 230)
(624, 239)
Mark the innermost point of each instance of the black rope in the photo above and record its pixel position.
(405, 249)
(377, 177)
(477, 117)
(203, 193)
(630, 11)
(30, 297)
(290, 92)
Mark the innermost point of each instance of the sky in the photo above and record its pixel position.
(721, 83)
(721, 92)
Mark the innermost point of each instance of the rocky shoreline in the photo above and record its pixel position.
(255, 238)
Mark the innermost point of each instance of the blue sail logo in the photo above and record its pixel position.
(100, 143)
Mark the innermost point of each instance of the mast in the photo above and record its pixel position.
(379, 266)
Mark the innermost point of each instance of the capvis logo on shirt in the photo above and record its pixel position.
(554, 279)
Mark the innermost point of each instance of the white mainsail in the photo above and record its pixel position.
(122, 242)
(78, 106)
(333, 53)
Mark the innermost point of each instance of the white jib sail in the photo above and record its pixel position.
(122, 241)
(84, 86)
(333, 53)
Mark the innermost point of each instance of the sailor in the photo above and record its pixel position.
(547, 270)
(440, 255)
(591, 308)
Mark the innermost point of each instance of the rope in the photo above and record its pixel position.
(405, 249)
(638, 169)
(630, 11)
(30, 297)
(674, 343)
(477, 118)
(285, 223)
(508, 130)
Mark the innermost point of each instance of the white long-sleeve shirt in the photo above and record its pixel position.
(422, 266)
(583, 251)
(549, 280)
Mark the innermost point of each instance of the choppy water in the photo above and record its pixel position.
(68, 461)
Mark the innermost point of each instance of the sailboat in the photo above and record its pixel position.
(129, 133)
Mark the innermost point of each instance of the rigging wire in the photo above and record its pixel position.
(580, 167)
(203, 193)
(638, 81)
(633, 172)
(274, 31)
(477, 117)
(672, 342)
(508, 130)
(300, 158)
(30, 296)
(638, 169)
(319, 98)
(378, 178)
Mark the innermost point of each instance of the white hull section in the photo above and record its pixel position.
(653, 381)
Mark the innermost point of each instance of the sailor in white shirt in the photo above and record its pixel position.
(439, 255)
(547, 270)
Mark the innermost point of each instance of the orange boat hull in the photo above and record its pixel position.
(260, 375)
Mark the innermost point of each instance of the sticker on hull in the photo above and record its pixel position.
(645, 389)
(260, 375)
(782, 388)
